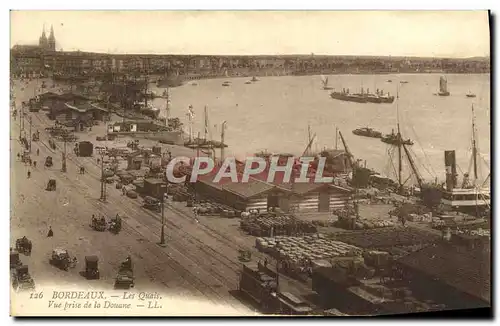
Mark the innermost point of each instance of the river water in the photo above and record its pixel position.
(273, 114)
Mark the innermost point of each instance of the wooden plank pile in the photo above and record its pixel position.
(277, 225)
(307, 248)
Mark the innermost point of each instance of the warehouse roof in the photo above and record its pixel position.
(467, 270)
(248, 189)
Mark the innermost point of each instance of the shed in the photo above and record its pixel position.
(459, 277)
(154, 187)
(254, 194)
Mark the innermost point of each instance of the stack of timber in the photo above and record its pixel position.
(276, 225)
(307, 248)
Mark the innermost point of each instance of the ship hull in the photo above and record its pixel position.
(373, 134)
(169, 82)
(347, 98)
(362, 99)
(395, 142)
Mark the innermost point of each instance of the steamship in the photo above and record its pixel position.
(363, 97)
(469, 196)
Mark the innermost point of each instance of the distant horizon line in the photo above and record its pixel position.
(310, 55)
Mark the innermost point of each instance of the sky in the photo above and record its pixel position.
(455, 34)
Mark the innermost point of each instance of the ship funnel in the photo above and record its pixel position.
(451, 170)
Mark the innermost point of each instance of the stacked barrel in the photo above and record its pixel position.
(276, 226)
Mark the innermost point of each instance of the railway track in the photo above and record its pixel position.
(221, 279)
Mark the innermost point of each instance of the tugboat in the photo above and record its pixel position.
(393, 139)
(367, 132)
(248, 82)
(443, 87)
(226, 83)
(389, 80)
(470, 94)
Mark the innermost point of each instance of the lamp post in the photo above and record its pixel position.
(163, 193)
(103, 180)
(65, 139)
(30, 135)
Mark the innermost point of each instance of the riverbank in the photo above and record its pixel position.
(275, 73)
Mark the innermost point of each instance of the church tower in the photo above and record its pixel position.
(43, 42)
(52, 40)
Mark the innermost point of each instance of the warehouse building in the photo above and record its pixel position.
(455, 275)
(260, 194)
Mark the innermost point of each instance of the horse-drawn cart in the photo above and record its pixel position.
(99, 224)
(92, 267)
(15, 261)
(23, 245)
(21, 279)
(124, 278)
(61, 259)
(115, 225)
(51, 185)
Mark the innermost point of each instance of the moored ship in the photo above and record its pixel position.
(393, 139)
(378, 97)
(367, 132)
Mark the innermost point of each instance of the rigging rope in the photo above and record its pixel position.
(417, 160)
(423, 151)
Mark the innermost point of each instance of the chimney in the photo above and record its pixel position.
(451, 170)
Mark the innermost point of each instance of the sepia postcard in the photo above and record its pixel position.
(249, 163)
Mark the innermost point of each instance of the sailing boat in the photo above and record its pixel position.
(443, 87)
(324, 80)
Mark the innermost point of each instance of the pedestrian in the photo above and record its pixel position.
(34, 164)
(19, 155)
(51, 233)
(29, 174)
(37, 151)
(30, 162)
(124, 191)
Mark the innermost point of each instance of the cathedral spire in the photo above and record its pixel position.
(51, 36)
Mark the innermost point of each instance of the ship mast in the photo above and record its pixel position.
(474, 146)
(336, 138)
(206, 124)
(167, 108)
(399, 142)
